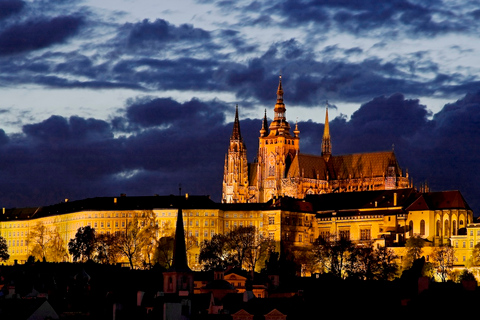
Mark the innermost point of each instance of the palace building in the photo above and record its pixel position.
(280, 169)
(383, 217)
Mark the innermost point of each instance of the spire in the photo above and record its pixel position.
(296, 131)
(180, 263)
(280, 106)
(264, 130)
(326, 144)
(236, 135)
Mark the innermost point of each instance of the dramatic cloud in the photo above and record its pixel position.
(183, 68)
(37, 34)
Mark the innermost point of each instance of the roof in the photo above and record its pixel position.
(353, 166)
(361, 199)
(439, 201)
(110, 203)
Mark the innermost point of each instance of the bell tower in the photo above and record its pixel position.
(277, 148)
(235, 176)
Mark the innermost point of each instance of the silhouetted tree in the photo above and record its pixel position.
(214, 253)
(107, 251)
(82, 247)
(414, 248)
(466, 275)
(4, 256)
(387, 268)
(164, 252)
(333, 254)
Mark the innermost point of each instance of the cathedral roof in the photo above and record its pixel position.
(360, 165)
(351, 166)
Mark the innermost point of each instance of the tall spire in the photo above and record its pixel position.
(326, 143)
(236, 135)
(180, 263)
(280, 106)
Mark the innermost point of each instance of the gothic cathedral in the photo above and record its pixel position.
(281, 170)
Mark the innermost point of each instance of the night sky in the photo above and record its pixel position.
(137, 97)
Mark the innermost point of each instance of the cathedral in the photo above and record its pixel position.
(280, 169)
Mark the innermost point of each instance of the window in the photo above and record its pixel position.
(422, 227)
(410, 227)
(365, 234)
(271, 220)
(300, 238)
(206, 223)
(226, 224)
(271, 235)
(345, 234)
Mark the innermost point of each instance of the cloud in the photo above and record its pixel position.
(10, 7)
(37, 34)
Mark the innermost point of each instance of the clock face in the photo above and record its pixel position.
(271, 161)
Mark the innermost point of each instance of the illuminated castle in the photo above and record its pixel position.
(282, 170)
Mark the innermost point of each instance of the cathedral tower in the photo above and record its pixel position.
(277, 149)
(326, 144)
(235, 176)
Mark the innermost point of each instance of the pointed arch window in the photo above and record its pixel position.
(422, 227)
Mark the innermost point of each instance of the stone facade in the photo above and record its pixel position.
(281, 169)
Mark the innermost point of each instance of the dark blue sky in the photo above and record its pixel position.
(136, 97)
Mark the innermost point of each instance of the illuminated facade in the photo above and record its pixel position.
(282, 170)
(384, 217)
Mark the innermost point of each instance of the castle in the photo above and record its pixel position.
(280, 169)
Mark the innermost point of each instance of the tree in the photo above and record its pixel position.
(466, 276)
(386, 265)
(242, 247)
(39, 240)
(214, 253)
(82, 247)
(56, 251)
(475, 258)
(4, 256)
(442, 259)
(164, 252)
(137, 241)
(106, 249)
(362, 262)
(258, 250)
(414, 249)
(332, 254)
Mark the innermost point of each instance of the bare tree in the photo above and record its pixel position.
(137, 241)
(56, 249)
(38, 241)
